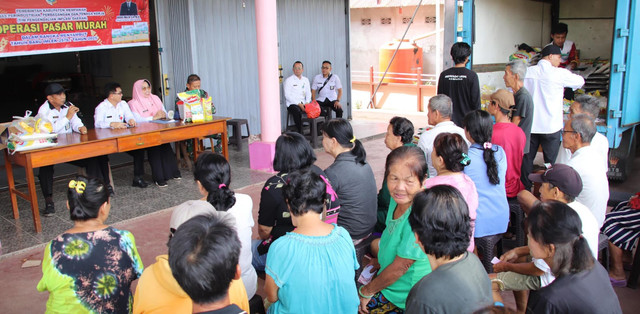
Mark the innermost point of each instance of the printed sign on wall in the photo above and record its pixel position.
(29, 27)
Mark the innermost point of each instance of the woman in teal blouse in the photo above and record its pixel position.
(312, 268)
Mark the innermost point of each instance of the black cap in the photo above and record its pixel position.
(561, 176)
(551, 50)
(53, 89)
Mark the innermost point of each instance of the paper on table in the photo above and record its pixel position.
(163, 121)
(31, 263)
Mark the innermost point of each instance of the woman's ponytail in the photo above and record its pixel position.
(341, 130)
(490, 160)
(582, 257)
(221, 198)
(359, 152)
(214, 174)
(86, 195)
(479, 125)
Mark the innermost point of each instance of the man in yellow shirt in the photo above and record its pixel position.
(158, 291)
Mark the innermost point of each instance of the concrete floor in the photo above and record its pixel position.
(146, 213)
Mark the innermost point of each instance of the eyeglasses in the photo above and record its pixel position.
(566, 131)
(117, 93)
(325, 68)
(146, 87)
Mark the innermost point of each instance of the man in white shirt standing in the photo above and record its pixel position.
(589, 105)
(585, 159)
(64, 118)
(439, 113)
(546, 82)
(114, 113)
(297, 93)
(327, 90)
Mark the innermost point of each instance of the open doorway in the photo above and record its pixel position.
(80, 45)
(83, 74)
(376, 33)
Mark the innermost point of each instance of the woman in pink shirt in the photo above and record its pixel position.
(449, 157)
(146, 107)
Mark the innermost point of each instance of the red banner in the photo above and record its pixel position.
(29, 27)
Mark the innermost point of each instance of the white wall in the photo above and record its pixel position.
(501, 25)
(127, 66)
(367, 39)
(590, 26)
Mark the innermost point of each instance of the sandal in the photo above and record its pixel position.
(618, 283)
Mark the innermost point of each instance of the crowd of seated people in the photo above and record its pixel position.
(423, 262)
(431, 228)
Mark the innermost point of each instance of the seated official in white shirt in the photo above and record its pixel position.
(297, 93)
(64, 119)
(327, 90)
(114, 113)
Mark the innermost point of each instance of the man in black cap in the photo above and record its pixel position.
(564, 184)
(546, 83)
(560, 183)
(64, 118)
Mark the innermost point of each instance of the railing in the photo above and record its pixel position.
(373, 78)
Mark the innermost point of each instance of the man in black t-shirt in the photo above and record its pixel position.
(460, 83)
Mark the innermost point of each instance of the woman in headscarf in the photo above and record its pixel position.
(147, 107)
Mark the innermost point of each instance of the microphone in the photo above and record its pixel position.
(79, 113)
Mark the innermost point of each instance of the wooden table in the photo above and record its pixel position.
(98, 142)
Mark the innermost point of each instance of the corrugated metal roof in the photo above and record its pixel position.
(357, 4)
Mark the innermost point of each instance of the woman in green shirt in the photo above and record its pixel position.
(399, 133)
(400, 260)
(90, 267)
